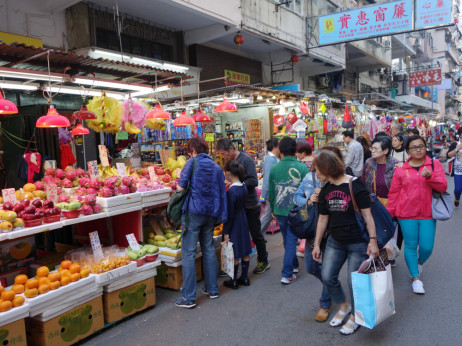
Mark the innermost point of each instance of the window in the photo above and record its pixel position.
(293, 5)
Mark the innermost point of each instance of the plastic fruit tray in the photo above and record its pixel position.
(50, 219)
(71, 214)
(152, 258)
(33, 223)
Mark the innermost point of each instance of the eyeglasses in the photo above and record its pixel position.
(376, 149)
(420, 147)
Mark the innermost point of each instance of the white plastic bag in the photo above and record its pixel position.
(392, 246)
(227, 259)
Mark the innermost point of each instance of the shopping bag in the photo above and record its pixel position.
(392, 246)
(227, 259)
(373, 297)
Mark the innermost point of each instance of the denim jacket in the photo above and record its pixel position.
(270, 161)
(306, 189)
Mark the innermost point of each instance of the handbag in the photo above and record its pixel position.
(303, 220)
(384, 225)
(178, 198)
(442, 207)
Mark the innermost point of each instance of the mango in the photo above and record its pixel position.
(160, 238)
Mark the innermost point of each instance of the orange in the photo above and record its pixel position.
(66, 264)
(20, 279)
(43, 281)
(54, 285)
(43, 271)
(18, 301)
(43, 289)
(8, 295)
(1, 289)
(84, 273)
(31, 292)
(18, 288)
(74, 268)
(5, 306)
(32, 283)
(65, 280)
(75, 277)
(54, 276)
(65, 273)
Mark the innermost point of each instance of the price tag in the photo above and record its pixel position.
(121, 169)
(96, 245)
(93, 168)
(52, 192)
(210, 137)
(152, 173)
(103, 155)
(132, 242)
(9, 195)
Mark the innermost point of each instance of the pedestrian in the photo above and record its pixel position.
(410, 201)
(308, 193)
(207, 208)
(397, 128)
(225, 148)
(285, 177)
(271, 158)
(304, 153)
(337, 214)
(399, 151)
(366, 147)
(455, 152)
(236, 229)
(355, 157)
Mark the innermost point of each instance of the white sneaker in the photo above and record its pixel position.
(417, 287)
(300, 254)
(295, 270)
(420, 266)
(289, 280)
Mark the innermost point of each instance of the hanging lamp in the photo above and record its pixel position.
(83, 114)
(200, 117)
(225, 107)
(52, 119)
(158, 113)
(183, 120)
(7, 107)
(80, 130)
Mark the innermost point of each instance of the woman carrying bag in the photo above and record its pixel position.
(410, 201)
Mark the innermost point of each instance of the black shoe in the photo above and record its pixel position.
(231, 283)
(261, 267)
(245, 282)
(184, 303)
(222, 274)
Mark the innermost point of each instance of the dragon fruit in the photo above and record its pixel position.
(115, 191)
(96, 209)
(71, 175)
(50, 171)
(69, 169)
(143, 181)
(105, 192)
(60, 174)
(109, 182)
(84, 182)
(166, 178)
(67, 183)
(39, 185)
(95, 184)
(124, 189)
(78, 198)
(80, 172)
(127, 181)
(80, 191)
(60, 191)
(57, 182)
(86, 209)
(90, 200)
(91, 191)
(132, 188)
(48, 179)
(63, 198)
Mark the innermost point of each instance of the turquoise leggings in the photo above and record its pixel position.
(421, 233)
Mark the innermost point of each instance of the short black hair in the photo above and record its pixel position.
(224, 144)
(399, 136)
(235, 169)
(288, 146)
(415, 131)
(272, 143)
(304, 147)
(414, 138)
(381, 133)
(459, 131)
(385, 143)
(408, 130)
(348, 133)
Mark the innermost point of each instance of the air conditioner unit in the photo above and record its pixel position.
(417, 42)
(323, 81)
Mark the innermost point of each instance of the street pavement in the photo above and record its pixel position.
(268, 313)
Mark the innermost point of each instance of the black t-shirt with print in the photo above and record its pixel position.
(335, 201)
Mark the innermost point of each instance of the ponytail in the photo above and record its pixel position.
(235, 169)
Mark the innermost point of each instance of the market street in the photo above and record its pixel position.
(268, 313)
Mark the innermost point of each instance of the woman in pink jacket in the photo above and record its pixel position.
(410, 201)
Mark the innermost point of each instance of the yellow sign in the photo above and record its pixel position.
(237, 77)
(329, 25)
(210, 137)
(10, 38)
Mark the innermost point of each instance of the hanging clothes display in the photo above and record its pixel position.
(67, 157)
(34, 162)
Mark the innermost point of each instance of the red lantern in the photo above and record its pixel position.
(278, 120)
(294, 59)
(239, 39)
(291, 118)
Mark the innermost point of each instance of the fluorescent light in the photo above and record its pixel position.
(19, 86)
(78, 91)
(112, 84)
(10, 73)
(151, 91)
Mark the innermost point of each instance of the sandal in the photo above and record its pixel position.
(349, 328)
(335, 322)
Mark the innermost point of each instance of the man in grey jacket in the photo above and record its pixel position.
(355, 156)
(272, 146)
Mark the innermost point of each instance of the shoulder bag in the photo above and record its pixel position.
(442, 207)
(178, 199)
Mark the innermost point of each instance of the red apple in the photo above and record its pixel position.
(30, 209)
(39, 214)
(56, 211)
(18, 207)
(49, 212)
(48, 204)
(25, 202)
(21, 214)
(28, 217)
(37, 203)
(8, 206)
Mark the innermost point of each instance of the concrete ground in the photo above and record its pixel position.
(268, 313)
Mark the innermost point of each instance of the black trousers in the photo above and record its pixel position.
(253, 219)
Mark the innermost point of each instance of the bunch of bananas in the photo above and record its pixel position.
(132, 128)
(155, 124)
(106, 172)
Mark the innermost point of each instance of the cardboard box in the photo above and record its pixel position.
(17, 253)
(171, 276)
(13, 333)
(128, 300)
(7, 279)
(67, 328)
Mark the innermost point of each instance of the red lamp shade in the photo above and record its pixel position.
(83, 114)
(225, 107)
(183, 120)
(80, 130)
(52, 119)
(158, 113)
(200, 117)
(7, 107)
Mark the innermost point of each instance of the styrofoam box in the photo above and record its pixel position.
(110, 276)
(155, 195)
(148, 266)
(179, 263)
(154, 203)
(123, 209)
(170, 252)
(118, 200)
(131, 280)
(14, 314)
(169, 259)
(83, 218)
(34, 230)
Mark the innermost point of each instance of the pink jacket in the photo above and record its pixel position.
(410, 195)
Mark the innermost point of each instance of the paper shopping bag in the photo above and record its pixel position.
(227, 259)
(373, 297)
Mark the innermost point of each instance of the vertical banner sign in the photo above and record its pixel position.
(93, 169)
(9, 195)
(422, 78)
(121, 169)
(378, 20)
(133, 242)
(96, 245)
(52, 192)
(103, 155)
(432, 13)
(152, 173)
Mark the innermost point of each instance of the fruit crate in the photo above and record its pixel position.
(117, 202)
(14, 333)
(14, 314)
(170, 275)
(155, 197)
(113, 275)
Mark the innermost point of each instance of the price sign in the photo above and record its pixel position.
(121, 169)
(132, 242)
(103, 155)
(210, 137)
(52, 192)
(9, 195)
(96, 245)
(152, 173)
(93, 168)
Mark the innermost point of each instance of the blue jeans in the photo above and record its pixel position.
(312, 267)
(421, 233)
(333, 260)
(457, 186)
(290, 247)
(200, 228)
